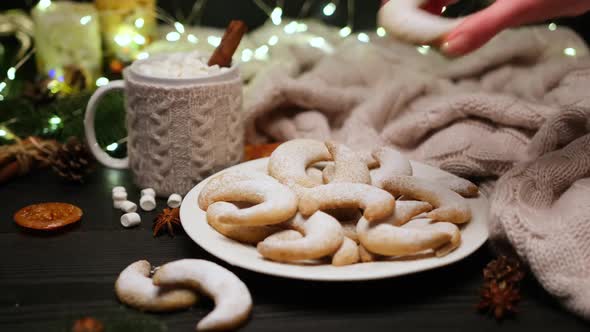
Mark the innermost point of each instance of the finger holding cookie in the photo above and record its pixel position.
(405, 20)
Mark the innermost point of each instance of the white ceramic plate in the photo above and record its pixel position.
(474, 234)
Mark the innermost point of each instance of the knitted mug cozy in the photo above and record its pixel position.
(180, 134)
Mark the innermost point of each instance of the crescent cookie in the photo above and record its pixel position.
(349, 229)
(348, 219)
(375, 203)
(348, 166)
(450, 228)
(135, 288)
(217, 183)
(367, 158)
(273, 202)
(365, 255)
(459, 185)
(328, 173)
(405, 20)
(322, 236)
(315, 174)
(385, 237)
(232, 298)
(347, 254)
(244, 234)
(391, 162)
(448, 205)
(288, 163)
(406, 210)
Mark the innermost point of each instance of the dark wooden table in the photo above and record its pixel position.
(49, 280)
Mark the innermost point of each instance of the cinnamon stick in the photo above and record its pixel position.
(230, 41)
(9, 171)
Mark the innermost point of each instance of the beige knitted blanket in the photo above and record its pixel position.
(514, 116)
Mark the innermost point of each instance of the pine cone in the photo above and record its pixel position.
(37, 92)
(73, 161)
(503, 269)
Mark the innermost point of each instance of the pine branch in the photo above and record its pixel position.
(32, 120)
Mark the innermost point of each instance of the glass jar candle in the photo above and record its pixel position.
(67, 35)
(127, 26)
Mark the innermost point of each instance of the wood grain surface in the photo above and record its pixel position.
(47, 280)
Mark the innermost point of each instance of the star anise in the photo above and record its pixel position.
(504, 269)
(500, 292)
(168, 218)
(499, 299)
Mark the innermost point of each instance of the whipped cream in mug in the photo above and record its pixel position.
(177, 65)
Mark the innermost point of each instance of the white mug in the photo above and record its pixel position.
(179, 130)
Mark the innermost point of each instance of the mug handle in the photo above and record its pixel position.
(99, 153)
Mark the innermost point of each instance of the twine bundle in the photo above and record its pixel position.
(21, 157)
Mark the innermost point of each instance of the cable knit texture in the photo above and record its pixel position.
(514, 116)
(180, 135)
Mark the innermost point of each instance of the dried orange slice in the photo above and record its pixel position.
(47, 216)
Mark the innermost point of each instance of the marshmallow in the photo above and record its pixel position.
(119, 196)
(130, 219)
(177, 65)
(149, 192)
(174, 200)
(128, 206)
(119, 188)
(147, 202)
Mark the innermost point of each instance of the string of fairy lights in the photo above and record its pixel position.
(290, 26)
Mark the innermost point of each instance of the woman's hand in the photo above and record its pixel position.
(478, 28)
